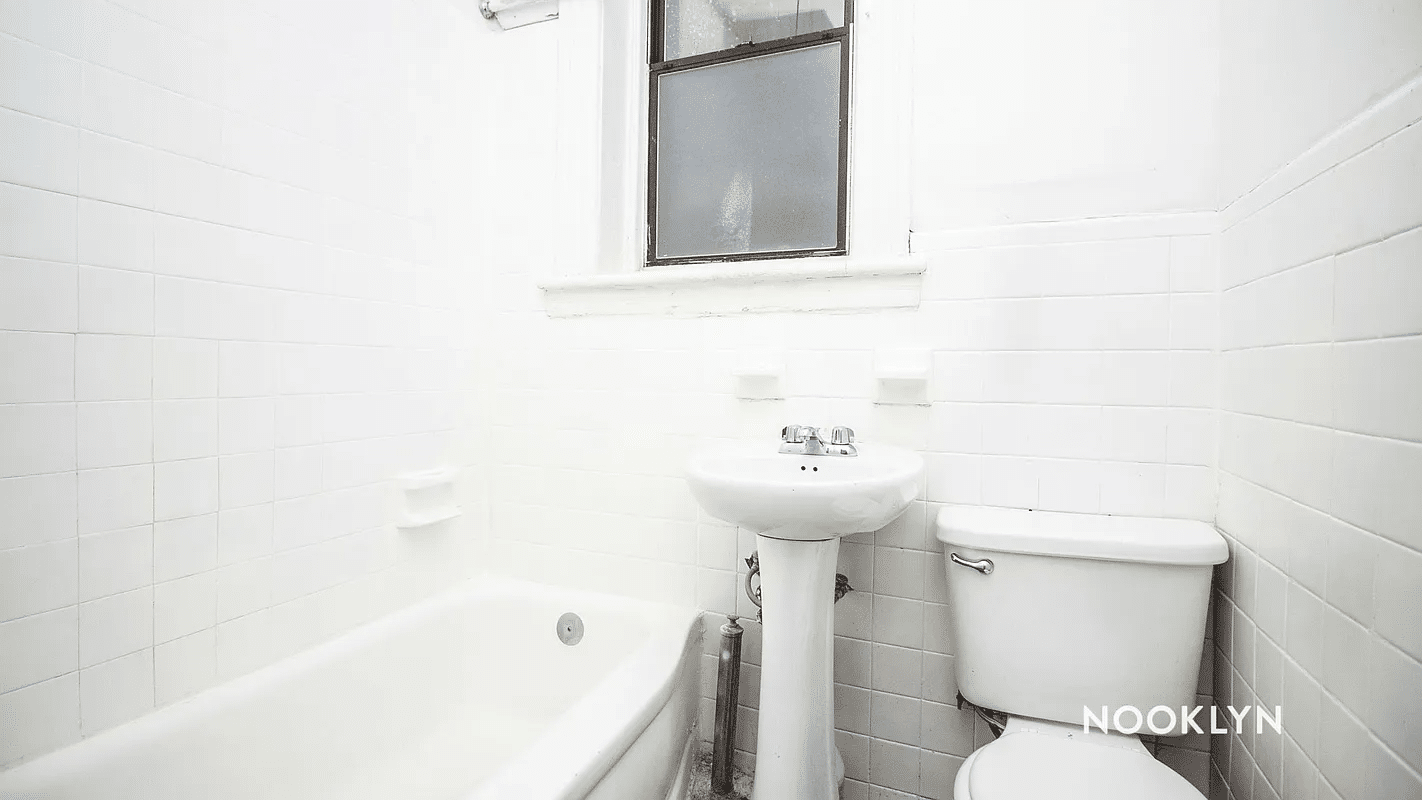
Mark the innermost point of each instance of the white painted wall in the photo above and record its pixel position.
(235, 299)
(1030, 111)
(1292, 73)
(1073, 364)
(1321, 423)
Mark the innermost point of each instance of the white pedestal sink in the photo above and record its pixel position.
(798, 506)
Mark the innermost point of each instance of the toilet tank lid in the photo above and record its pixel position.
(1095, 536)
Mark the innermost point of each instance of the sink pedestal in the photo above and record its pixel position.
(796, 757)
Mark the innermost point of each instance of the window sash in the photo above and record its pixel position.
(658, 68)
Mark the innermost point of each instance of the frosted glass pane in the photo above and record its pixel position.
(748, 155)
(705, 26)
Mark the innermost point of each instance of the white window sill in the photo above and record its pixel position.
(822, 284)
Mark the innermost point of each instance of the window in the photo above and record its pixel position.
(749, 130)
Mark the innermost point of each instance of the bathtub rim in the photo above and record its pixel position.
(112, 744)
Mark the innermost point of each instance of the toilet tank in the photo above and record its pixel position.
(1078, 610)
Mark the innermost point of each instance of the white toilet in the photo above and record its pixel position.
(1053, 613)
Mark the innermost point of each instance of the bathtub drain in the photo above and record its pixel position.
(570, 629)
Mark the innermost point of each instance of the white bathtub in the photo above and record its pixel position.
(468, 695)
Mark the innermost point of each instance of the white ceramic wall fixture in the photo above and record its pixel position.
(759, 376)
(902, 376)
(427, 499)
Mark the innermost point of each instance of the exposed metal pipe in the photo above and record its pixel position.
(728, 688)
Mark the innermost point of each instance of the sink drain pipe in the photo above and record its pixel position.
(728, 688)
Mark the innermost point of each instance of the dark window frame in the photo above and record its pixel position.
(658, 67)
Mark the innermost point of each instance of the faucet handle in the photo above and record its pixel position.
(794, 434)
(841, 435)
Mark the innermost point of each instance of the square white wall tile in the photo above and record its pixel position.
(38, 647)
(115, 626)
(39, 438)
(185, 488)
(1370, 478)
(115, 301)
(1194, 263)
(115, 171)
(184, 429)
(895, 718)
(249, 479)
(40, 508)
(191, 188)
(117, 105)
(38, 153)
(42, 82)
(38, 296)
(1068, 485)
(1377, 389)
(184, 606)
(184, 547)
(116, 691)
(116, 236)
(115, 434)
(184, 368)
(1136, 489)
(1378, 289)
(39, 367)
(249, 369)
(243, 645)
(45, 716)
(897, 669)
(185, 308)
(1194, 321)
(117, 497)
(246, 425)
(246, 587)
(244, 533)
(39, 224)
(899, 573)
(1397, 598)
(38, 578)
(1191, 492)
(113, 367)
(184, 666)
(1393, 703)
(115, 561)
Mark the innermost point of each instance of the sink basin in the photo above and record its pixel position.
(791, 496)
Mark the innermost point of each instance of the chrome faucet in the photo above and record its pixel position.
(807, 440)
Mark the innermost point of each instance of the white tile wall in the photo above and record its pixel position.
(208, 217)
(1320, 457)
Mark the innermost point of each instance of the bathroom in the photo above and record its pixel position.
(311, 312)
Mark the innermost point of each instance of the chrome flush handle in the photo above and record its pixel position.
(984, 566)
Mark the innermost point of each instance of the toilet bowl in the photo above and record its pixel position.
(1035, 759)
(1056, 614)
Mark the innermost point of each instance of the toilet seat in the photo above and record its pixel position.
(1028, 766)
